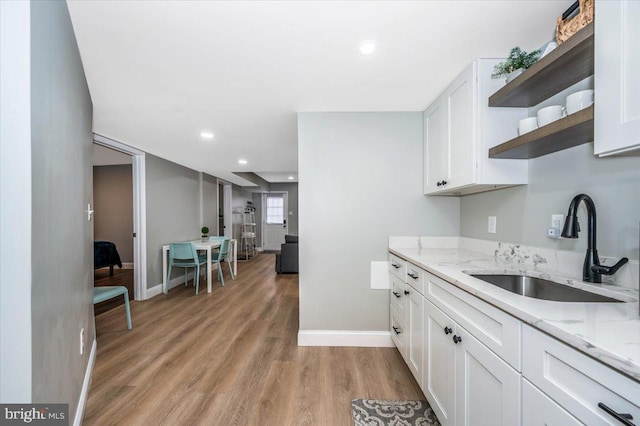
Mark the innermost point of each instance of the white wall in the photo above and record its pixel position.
(360, 180)
(15, 216)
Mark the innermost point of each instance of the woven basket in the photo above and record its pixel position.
(565, 28)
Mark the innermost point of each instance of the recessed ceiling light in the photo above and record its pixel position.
(242, 161)
(367, 47)
(290, 177)
(206, 135)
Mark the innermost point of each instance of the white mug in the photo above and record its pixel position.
(550, 114)
(579, 100)
(527, 124)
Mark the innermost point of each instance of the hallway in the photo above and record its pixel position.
(231, 357)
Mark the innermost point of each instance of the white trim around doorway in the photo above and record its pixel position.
(139, 212)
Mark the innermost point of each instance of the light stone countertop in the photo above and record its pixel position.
(609, 332)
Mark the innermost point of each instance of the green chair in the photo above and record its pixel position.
(223, 255)
(104, 293)
(184, 255)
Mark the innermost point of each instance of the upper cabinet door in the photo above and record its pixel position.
(617, 67)
(435, 150)
(460, 101)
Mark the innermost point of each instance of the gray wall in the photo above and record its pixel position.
(62, 264)
(292, 189)
(15, 216)
(113, 205)
(210, 203)
(360, 180)
(173, 210)
(524, 213)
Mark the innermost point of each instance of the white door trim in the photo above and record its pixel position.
(139, 212)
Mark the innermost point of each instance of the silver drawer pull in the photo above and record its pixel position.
(621, 417)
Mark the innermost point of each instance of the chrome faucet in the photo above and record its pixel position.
(592, 270)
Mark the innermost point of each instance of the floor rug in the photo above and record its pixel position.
(380, 412)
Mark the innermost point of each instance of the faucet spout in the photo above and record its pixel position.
(571, 229)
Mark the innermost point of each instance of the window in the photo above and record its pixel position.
(275, 210)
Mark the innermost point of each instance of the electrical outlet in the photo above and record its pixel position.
(492, 225)
(557, 221)
(82, 341)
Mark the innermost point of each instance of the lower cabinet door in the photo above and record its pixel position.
(416, 335)
(398, 332)
(439, 384)
(487, 388)
(540, 410)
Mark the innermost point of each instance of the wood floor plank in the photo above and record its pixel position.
(230, 357)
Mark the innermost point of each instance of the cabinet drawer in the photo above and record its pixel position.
(577, 382)
(415, 277)
(496, 329)
(398, 267)
(540, 410)
(397, 296)
(398, 331)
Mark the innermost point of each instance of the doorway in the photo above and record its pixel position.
(224, 209)
(274, 219)
(138, 229)
(112, 222)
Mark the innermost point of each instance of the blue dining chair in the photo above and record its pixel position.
(223, 255)
(184, 255)
(104, 293)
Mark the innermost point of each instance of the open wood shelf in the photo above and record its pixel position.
(566, 65)
(569, 131)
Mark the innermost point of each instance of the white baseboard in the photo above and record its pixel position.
(372, 339)
(77, 421)
(175, 282)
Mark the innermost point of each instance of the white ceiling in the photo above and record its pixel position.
(275, 177)
(160, 72)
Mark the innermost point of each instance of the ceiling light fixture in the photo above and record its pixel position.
(242, 161)
(206, 135)
(290, 178)
(367, 47)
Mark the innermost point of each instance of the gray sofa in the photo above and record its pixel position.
(287, 259)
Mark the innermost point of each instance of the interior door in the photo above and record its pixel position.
(274, 220)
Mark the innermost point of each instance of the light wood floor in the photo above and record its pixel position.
(231, 358)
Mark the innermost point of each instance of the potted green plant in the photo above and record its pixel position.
(205, 233)
(515, 64)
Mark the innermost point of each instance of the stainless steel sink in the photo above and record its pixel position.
(539, 288)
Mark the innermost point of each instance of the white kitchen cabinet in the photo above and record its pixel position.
(540, 410)
(398, 332)
(459, 129)
(436, 162)
(415, 338)
(464, 381)
(617, 86)
(487, 388)
(439, 384)
(577, 382)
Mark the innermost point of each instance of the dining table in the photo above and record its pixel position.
(206, 246)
